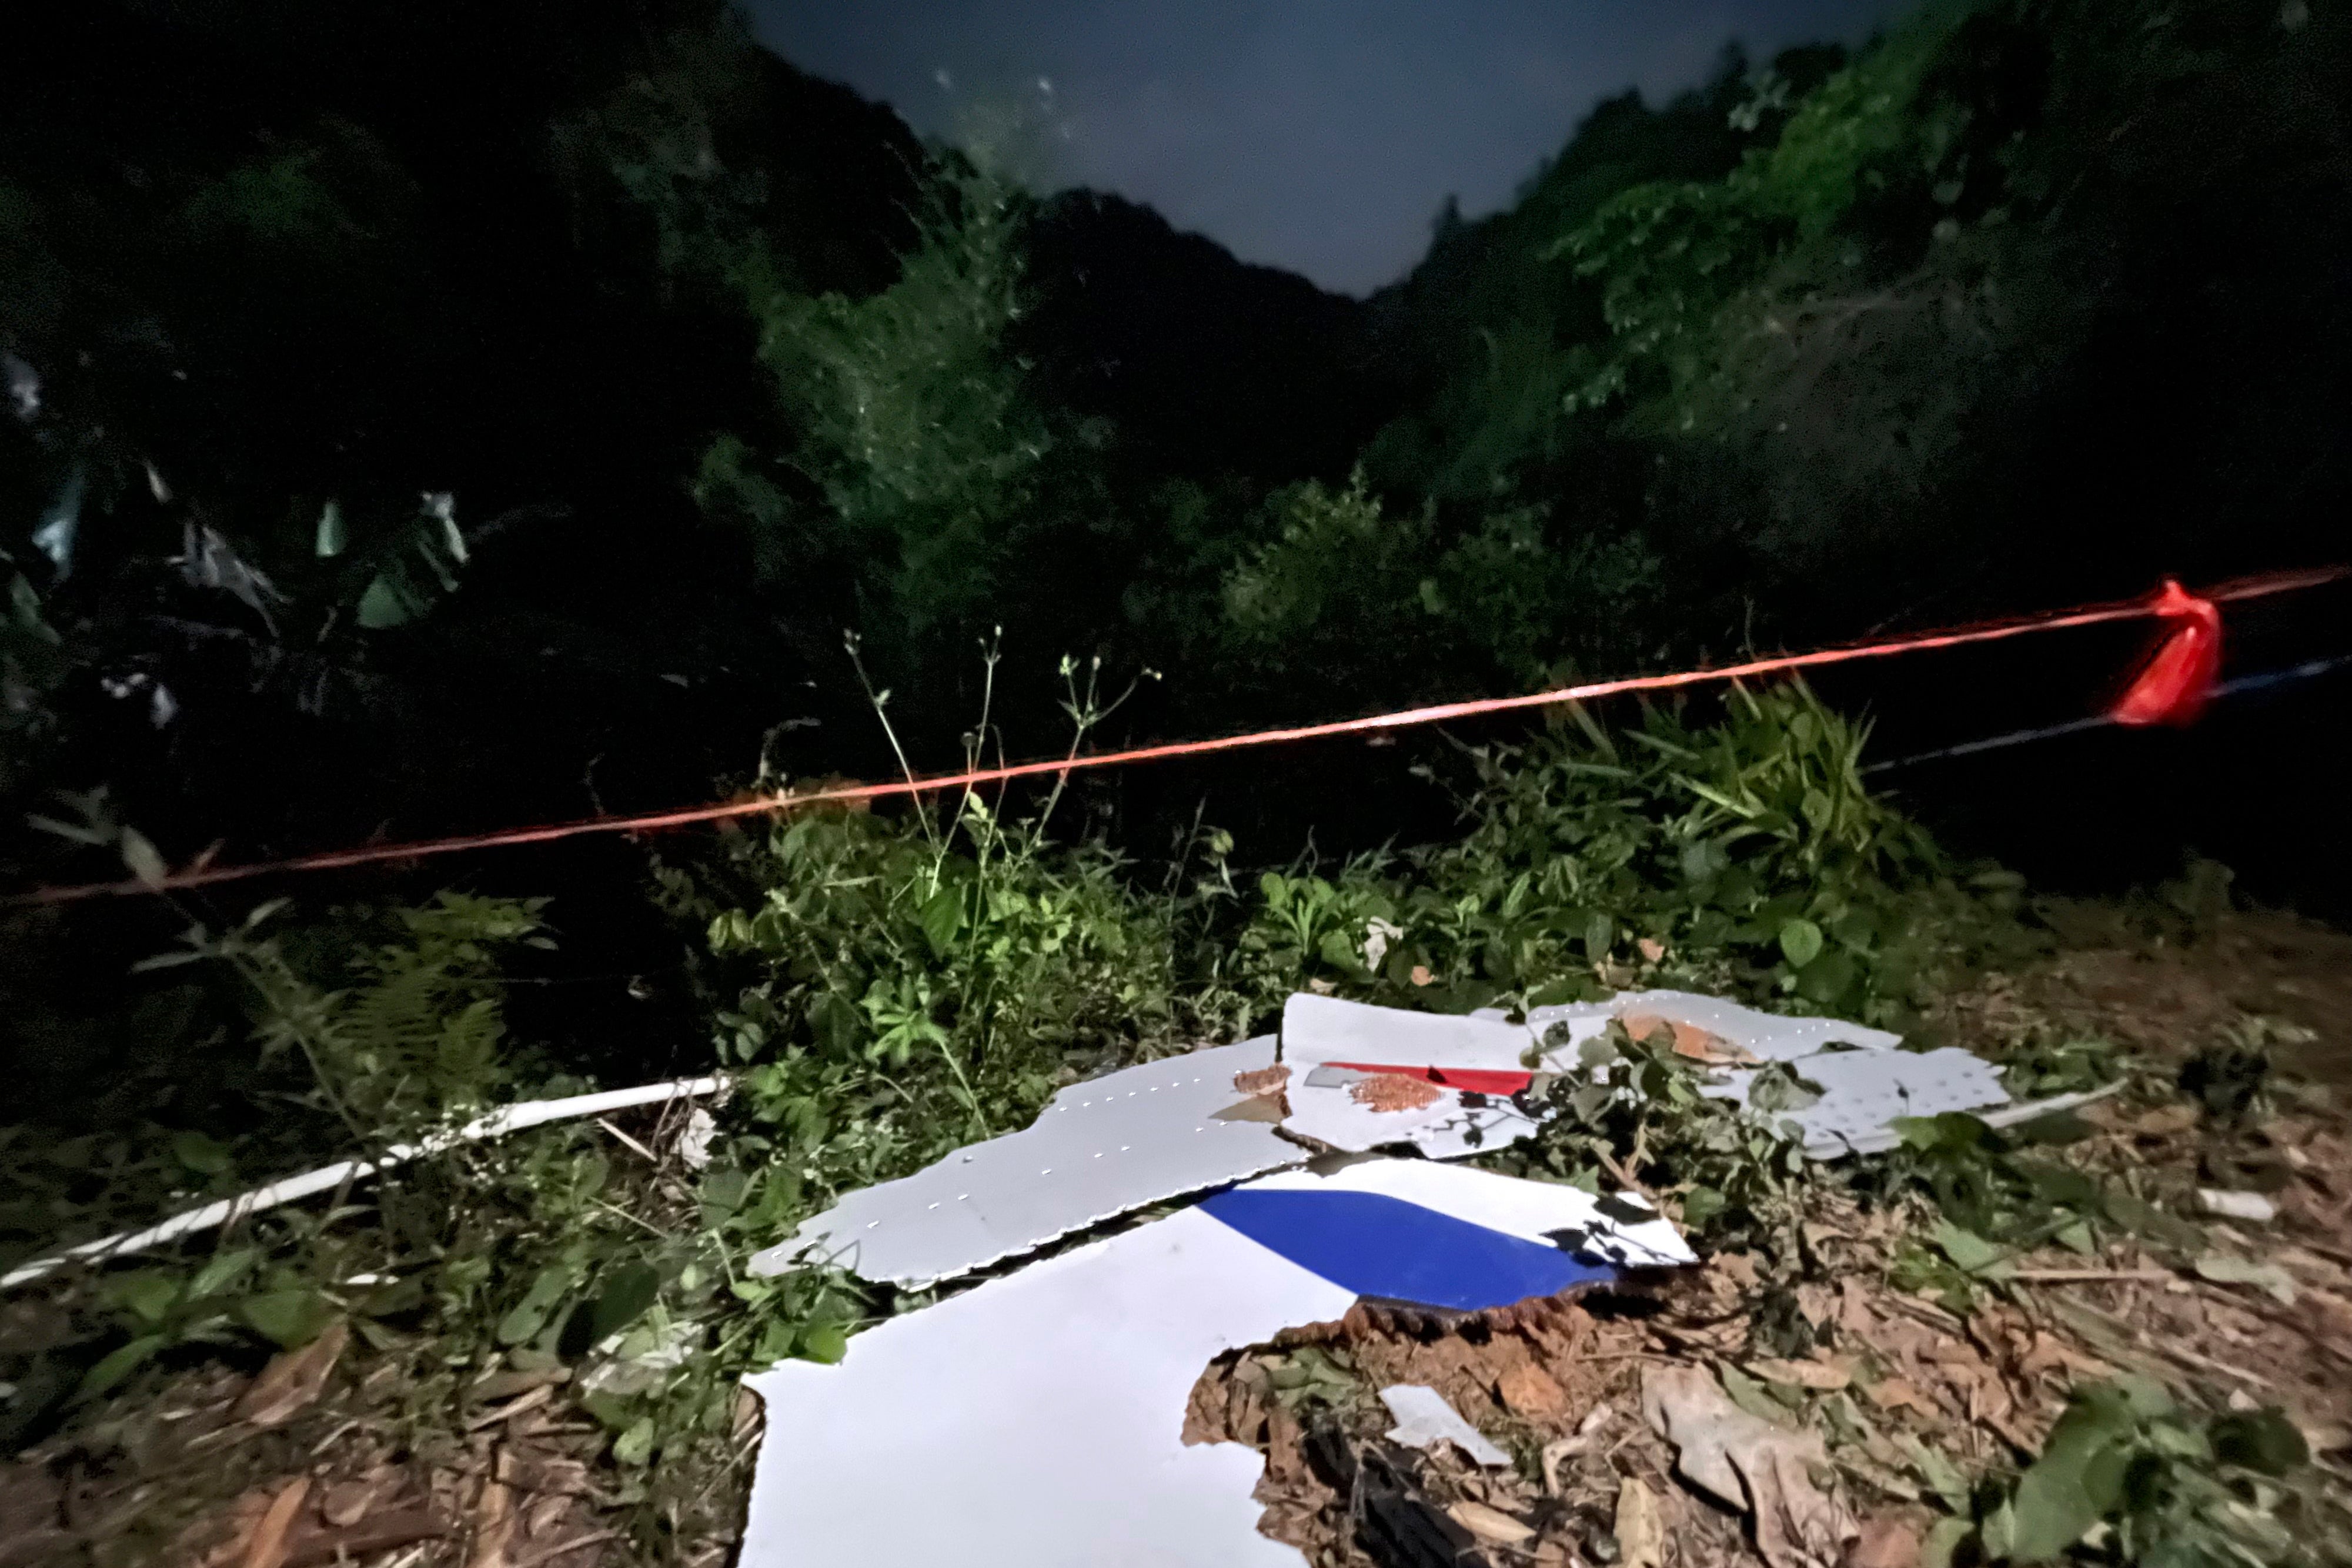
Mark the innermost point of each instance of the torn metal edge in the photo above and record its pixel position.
(1320, 1031)
(1040, 1414)
(1099, 1149)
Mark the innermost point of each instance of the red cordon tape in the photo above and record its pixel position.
(2170, 603)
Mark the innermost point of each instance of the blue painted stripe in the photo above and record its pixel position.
(1385, 1247)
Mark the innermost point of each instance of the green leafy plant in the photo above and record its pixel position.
(416, 1029)
(1633, 1115)
(1750, 849)
(2129, 1476)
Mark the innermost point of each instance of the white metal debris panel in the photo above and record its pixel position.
(1037, 1421)
(1317, 1030)
(1099, 1149)
(1863, 1092)
(1530, 1210)
(1771, 1036)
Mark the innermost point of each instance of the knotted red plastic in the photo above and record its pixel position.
(2172, 686)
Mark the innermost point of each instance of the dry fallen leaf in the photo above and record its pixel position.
(1818, 1303)
(1819, 1376)
(1652, 949)
(1738, 1268)
(1528, 1389)
(1641, 1534)
(1748, 1462)
(1490, 1524)
(1888, 1541)
(494, 1524)
(1897, 1394)
(545, 1515)
(293, 1379)
(345, 1502)
(266, 1547)
(1854, 1307)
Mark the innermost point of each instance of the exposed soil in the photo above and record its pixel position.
(519, 1479)
(1558, 1384)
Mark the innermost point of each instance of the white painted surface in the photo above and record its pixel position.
(1035, 1422)
(1530, 1210)
(1423, 1418)
(1099, 1149)
(1320, 1029)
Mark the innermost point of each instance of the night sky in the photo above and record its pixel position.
(1319, 135)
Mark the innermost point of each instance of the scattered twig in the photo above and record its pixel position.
(331, 1438)
(606, 1123)
(2335, 1255)
(644, 1225)
(2087, 1276)
(2185, 1356)
(530, 1401)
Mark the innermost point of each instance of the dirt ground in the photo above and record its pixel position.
(1560, 1387)
(287, 1467)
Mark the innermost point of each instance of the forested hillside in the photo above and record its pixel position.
(432, 418)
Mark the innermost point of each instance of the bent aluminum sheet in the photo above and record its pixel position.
(1863, 1092)
(1533, 1211)
(1099, 1149)
(1320, 1030)
(1770, 1036)
(1037, 1421)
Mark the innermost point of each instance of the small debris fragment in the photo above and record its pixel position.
(1424, 1418)
(1394, 1091)
(1690, 1042)
(2250, 1207)
(1267, 1081)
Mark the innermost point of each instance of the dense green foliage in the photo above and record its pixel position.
(886, 989)
(417, 424)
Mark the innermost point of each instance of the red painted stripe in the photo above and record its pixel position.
(1475, 1080)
